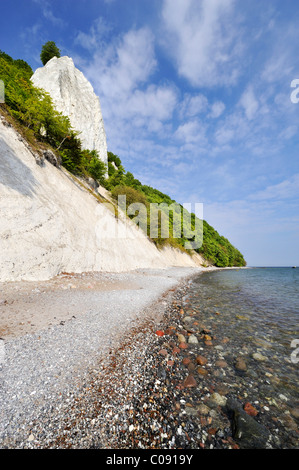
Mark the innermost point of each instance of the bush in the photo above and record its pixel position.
(49, 50)
(132, 195)
(93, 166)
(71, 156)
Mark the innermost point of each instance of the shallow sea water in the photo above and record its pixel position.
(258, 310)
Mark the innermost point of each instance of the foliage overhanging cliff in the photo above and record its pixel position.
(41, 123)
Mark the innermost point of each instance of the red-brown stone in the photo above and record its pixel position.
(186, 361)
(163, 352)
(191, 367)
(160, 333)
(169, 331)
(250, 410)
(212, 431)
(201, 360)
(189, 382)
(221, 363)
(202, 371)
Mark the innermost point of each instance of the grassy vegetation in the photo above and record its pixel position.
(34, 112)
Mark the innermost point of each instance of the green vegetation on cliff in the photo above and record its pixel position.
(33, 108)
(41, 124)
(215, 248)
(49, 50)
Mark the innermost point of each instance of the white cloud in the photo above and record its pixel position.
(255, 228)
(191, 132)
(193, 105)
(249, 103)
(121, 72)
(48, 13)
(286, 189)
(232, 129)
(92, 39)
(289, 132)
(155, 101)
(202, 36)
(217, 109)
(281, 63)
(120, 67)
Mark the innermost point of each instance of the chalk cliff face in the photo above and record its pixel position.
(49, 223)
(73, 96)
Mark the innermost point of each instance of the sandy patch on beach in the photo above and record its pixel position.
(27, 307)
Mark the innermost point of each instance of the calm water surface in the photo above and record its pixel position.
(258, 308)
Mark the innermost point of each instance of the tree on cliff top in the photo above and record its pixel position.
(49, 50)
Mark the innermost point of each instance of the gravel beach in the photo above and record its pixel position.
(56, 335)
(127, 363)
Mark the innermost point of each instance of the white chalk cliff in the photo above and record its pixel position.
(73, 96)
(49, 223)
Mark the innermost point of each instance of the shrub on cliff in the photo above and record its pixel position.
(131, 194)
(92, 166)
(49, 50)
(31, 106)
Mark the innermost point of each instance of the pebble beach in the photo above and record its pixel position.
(174, 378)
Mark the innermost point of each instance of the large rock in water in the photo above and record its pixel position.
(246, 430)
(73, 96)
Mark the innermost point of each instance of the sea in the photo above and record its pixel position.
(257, 309)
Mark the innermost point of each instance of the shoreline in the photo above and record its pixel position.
(29, 307)
(154, 388)
(47, 358)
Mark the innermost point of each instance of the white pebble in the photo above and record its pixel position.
(283, 397)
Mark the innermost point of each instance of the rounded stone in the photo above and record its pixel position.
(202, 371)
(191, 367)
(221, 363)
(250, 410)
(240, 364)
(192, 339)
(181, 338)
(259, 357)
(216, 399)
(203, 409)
(186, 361)
(163, 352)
(189, 382)
(201, 360)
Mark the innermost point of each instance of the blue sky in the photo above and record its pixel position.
(196, 100)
